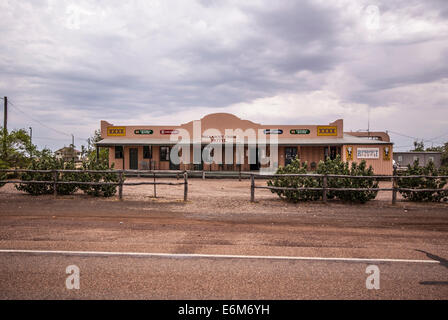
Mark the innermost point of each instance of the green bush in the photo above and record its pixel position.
(3, 175)
(337, 167)
(295, 167)
(423, 183)
(98, 190)
(48, 163)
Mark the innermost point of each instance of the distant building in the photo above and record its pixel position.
(402, 159)
(372, 135)
(224, 142)
(68, 154)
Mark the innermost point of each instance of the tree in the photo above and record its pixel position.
(423, 183)
(19, 149)
(90, 151)
(444, 150)
(332, 167)
(419, 146)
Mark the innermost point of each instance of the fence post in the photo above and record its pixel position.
(252, 188)
(203, 174)
(394, 187)
(185, 186)
(325, 186)
(120, 186)
(155, 186)
(55, 183)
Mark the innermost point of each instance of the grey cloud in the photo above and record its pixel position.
(168, 64)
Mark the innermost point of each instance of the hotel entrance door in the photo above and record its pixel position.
(290, 154)
(133, 158)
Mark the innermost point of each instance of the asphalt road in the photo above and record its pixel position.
(314, 231)
(43, 276)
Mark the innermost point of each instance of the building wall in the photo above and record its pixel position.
(221, 122)
(311, 154)
(381, 165)
(423, 157)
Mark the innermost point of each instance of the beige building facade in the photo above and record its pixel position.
(224, 142)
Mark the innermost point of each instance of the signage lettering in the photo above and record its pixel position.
(273, 131)
(169, 131)
(143, 131)
(299, 131)
(116, 131)
(327, 131)
(221, 138)
(368, 153)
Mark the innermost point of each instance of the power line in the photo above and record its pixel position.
(38, 121)
(48, 138)
(403, 135)
(441, 136)
(433, 140)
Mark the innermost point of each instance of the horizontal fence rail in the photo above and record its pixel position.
(121, 182)
(324, 189)
(185, 174)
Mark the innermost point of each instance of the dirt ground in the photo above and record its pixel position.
(230, 199)
(223, 196)
(219, 218)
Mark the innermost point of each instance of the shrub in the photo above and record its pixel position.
(3, 175)
(423, 183)
(337, 167)
(98, 190)
(295, 167)
(48, 163)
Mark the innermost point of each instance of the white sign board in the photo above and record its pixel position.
(368, 153)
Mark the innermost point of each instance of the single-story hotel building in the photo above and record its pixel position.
(224, 142)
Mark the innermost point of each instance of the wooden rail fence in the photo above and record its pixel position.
(394, 178)
(154, 174)
(121, 182)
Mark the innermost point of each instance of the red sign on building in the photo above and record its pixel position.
(169, 131)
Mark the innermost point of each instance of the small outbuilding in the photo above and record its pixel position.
(403, 159)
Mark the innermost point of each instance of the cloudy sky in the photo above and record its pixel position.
(66, 65)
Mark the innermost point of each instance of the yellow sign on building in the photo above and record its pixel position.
(349, 154)
(327, 131)
(116, 131)
(386, 153)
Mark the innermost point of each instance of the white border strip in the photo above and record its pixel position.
(214, 256)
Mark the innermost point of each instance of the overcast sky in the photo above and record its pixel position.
(66, 65)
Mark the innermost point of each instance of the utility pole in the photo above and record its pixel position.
(5, 118)
(5, 126)
(31, 142)
(73, 147)
(368, 121)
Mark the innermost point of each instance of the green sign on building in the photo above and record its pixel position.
(299, 131)
(143, 131)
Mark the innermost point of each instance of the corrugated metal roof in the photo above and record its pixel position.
(346, 140)
(417, 152)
